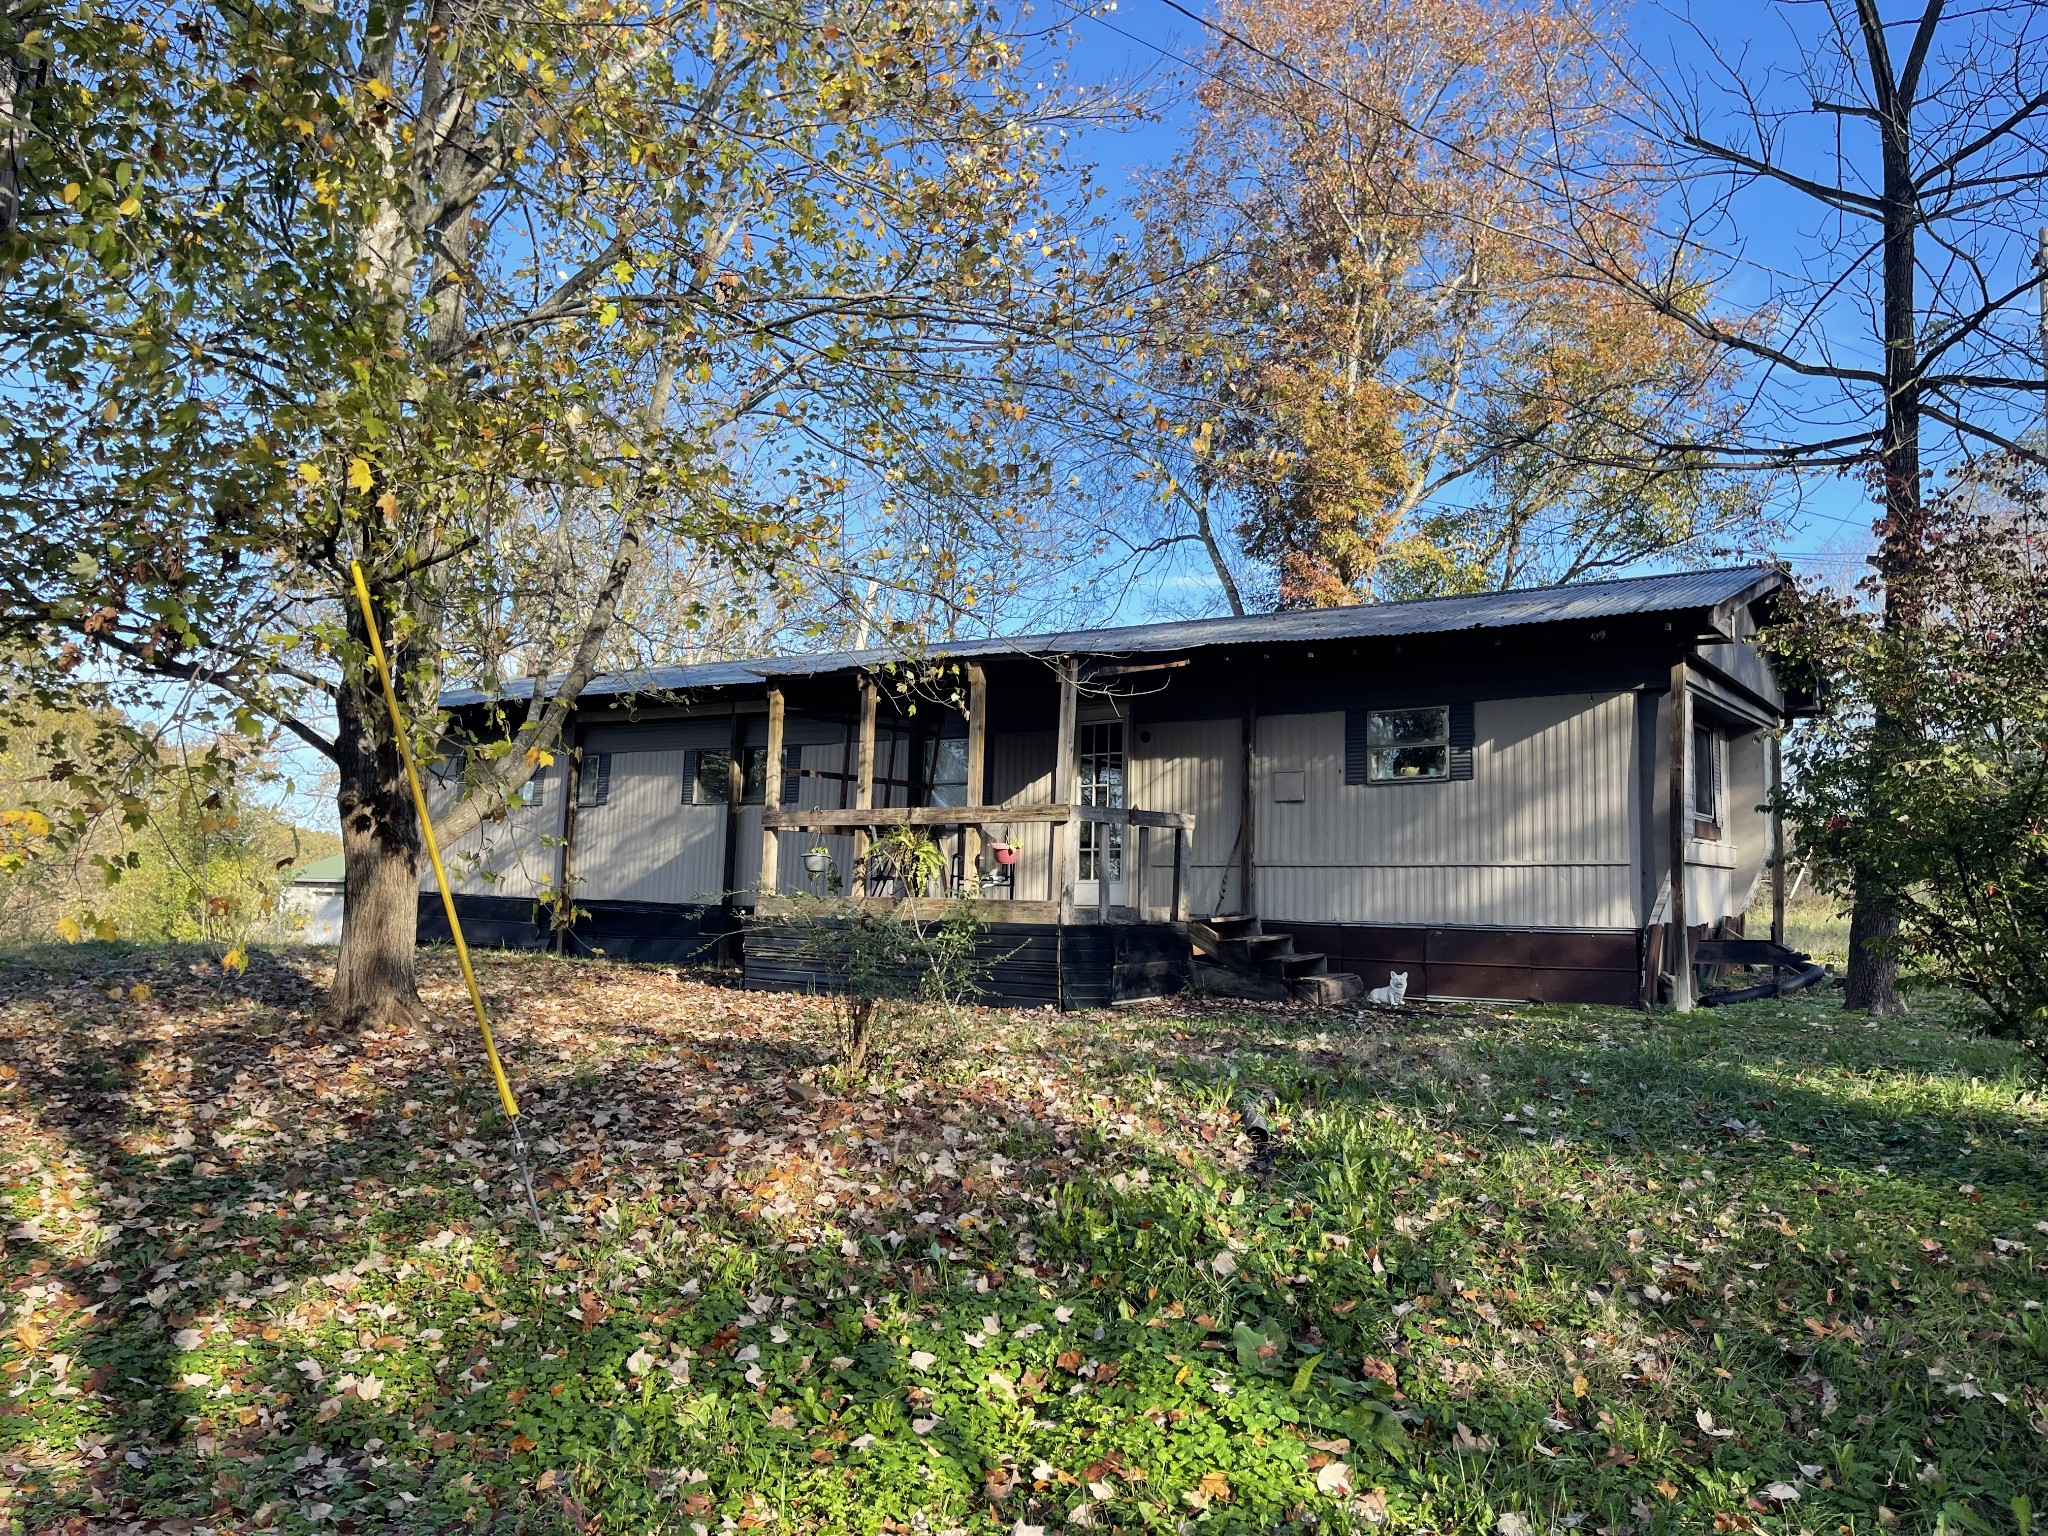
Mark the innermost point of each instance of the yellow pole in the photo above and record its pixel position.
(419, 800)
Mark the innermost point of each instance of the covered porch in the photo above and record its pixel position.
(1061, 867)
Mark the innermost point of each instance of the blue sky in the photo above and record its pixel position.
(1828, 518)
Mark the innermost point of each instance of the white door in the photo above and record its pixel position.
(1103, 773)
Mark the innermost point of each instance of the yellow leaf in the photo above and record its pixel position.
(539, 758)
(71, 191)
(388, 504)
(69, 931)
(130, 206)
(359, 476)
(104, 930)
(378, 89)
(1578, 1386)
(235, 962)
(139, 992)
(310, 473)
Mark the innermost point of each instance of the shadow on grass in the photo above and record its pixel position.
(1174, 1338)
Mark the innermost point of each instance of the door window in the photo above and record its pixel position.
(1102, 783)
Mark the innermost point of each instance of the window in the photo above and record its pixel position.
(1408, 744)
(946, 770)
(706, 770)
(1102, 783)
(594, 780)
(1706, 782)
(535, 794)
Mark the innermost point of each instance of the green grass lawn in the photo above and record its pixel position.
(1500, 1269)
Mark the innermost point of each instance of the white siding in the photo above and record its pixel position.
(512, 857)
(643, 843)
(1198, 766)
(1541, 836)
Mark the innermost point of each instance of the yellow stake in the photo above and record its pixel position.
(419, 800)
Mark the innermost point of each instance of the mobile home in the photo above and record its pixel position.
(1553, 794)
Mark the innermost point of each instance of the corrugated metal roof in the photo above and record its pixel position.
(1682, 591)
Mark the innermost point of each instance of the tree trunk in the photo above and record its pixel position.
(1872, 985)
(374, 982)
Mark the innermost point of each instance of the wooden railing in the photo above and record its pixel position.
(963, 832)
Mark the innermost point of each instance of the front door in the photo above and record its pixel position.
(1102, 783)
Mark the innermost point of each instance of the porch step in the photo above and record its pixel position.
(1329, 990)
(1236, 958)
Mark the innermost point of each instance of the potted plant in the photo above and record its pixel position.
(818, 861)
(1006, 853)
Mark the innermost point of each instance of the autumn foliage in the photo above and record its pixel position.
(1383, 333)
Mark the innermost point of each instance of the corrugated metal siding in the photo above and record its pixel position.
(1197, 766)
(643, 843)
(513, 857)
(1020, 773)
(1541, 836)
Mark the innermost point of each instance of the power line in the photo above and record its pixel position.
(1399, 120)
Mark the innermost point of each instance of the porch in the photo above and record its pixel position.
(1085, 898)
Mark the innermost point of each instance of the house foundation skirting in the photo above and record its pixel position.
(1024, 965)
(649, 931)
(1540, 965)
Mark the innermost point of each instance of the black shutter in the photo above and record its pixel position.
(595, 785)
(1354, 746)
(792, 773)
(1461, 741)
(692, 761)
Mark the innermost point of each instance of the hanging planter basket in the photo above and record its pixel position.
(1006, 853)
(818, 862)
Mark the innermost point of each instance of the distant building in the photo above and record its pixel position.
(310, 909)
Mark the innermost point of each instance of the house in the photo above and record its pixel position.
(1477, 791)
(309, 908)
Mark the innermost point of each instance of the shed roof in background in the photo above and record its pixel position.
(1709, 591)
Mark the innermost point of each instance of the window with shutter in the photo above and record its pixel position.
(1417, 744)
(594, 781)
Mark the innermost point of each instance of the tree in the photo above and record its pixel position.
(1900, 340)
(1958, 845)
(501, 304)
(1376, 338)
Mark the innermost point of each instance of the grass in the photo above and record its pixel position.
(1499, 1269)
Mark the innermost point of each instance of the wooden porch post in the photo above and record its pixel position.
(864, 774)
(1247, 811)
(1679, 953)
(735, 790)
(1066, 789)
(1779, 868)
(1182, 836)
(977, 760)
(771, 798)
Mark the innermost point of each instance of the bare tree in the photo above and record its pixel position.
(1898, 341)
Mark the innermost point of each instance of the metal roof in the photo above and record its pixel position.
(1591, 601)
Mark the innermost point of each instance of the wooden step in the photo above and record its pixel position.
(1229, 981)
(1308, 963)
(1262, 946)
(1231, 925)
(1327, 991)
